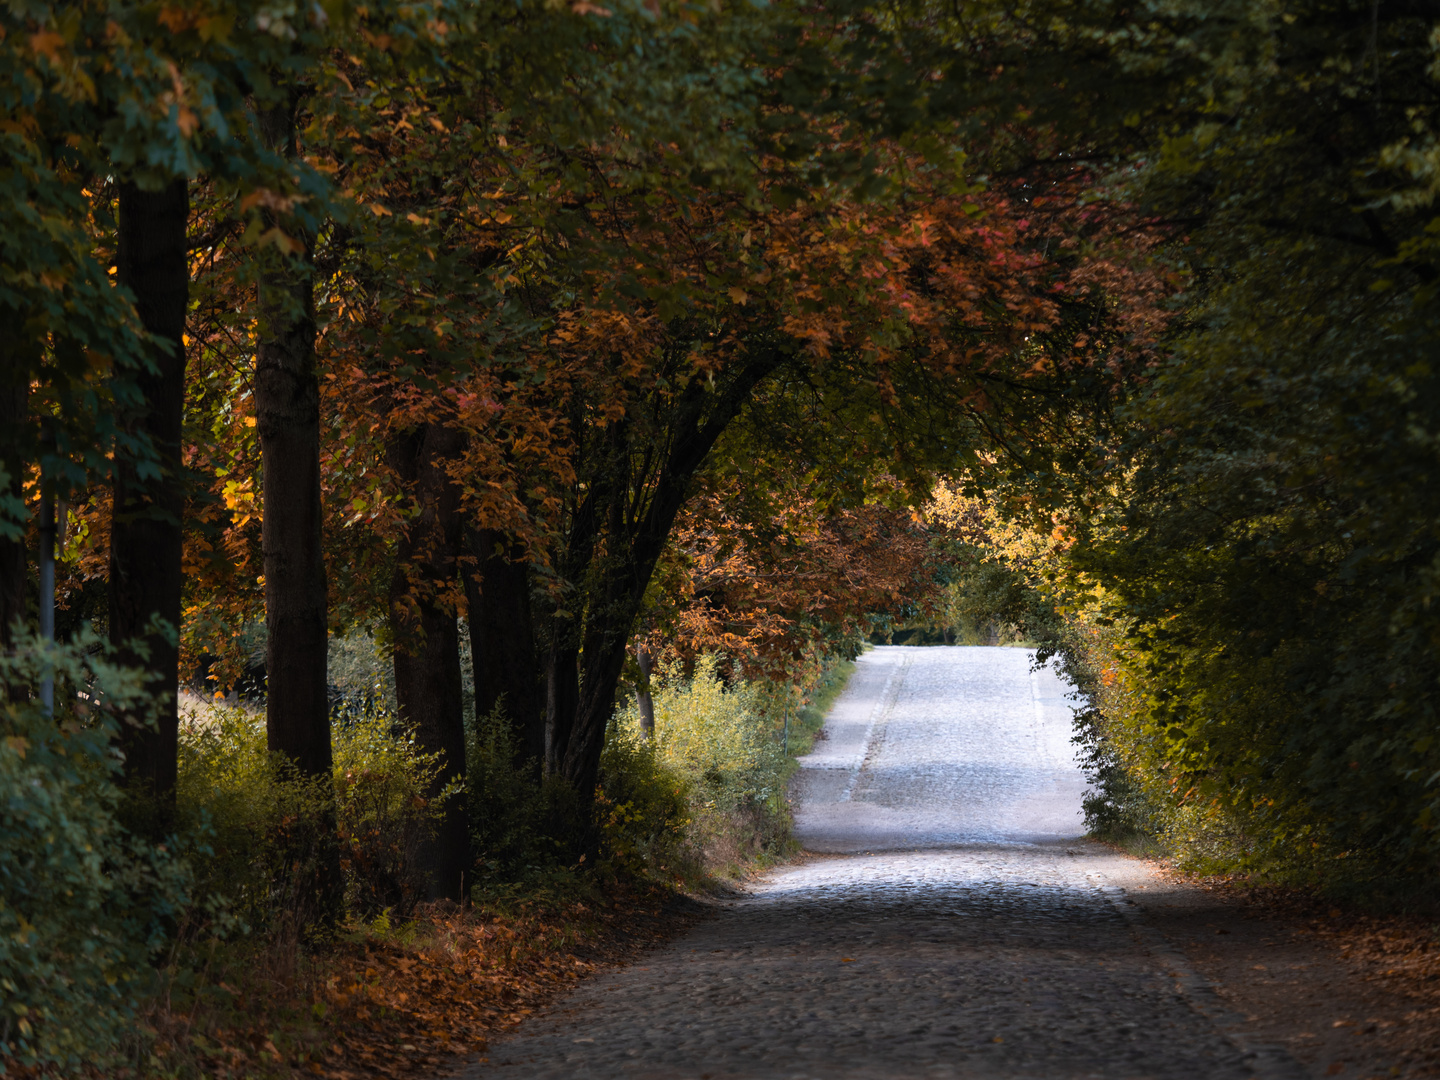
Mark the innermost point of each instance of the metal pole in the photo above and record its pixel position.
(787, 729)
(47, 591)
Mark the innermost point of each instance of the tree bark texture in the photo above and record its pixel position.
(145, 531)
(502, 642)
(287, 410)
(15, 368)
(425, 627)
(562, 692)
(644, 700)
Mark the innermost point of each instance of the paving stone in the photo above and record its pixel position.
(958, 926)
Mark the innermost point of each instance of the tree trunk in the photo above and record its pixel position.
(287, 408)
(633, 539)
(424, 624)
(145, 531)
(502, 642)
(644, 701)
(287, 415)
(15, 369)
(603, 664)
(562, 693)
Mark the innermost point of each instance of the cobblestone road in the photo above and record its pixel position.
(957, 927)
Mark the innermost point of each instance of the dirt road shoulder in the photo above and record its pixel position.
(1349, 996)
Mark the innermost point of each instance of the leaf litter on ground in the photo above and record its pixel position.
(425, 995)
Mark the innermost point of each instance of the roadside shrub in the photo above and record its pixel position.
(262, 819)
(724, 747)
(1126, 801)
(511, 814)
(529, 832)
(85, 907)
(1153, 794)
(708, 794)
(228, 787)
(642, 808)
(383, 812)
(720, 737)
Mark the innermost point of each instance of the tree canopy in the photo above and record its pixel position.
(550, 330)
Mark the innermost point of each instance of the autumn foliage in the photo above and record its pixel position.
(412, 995)
(446, 352)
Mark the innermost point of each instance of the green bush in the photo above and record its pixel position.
(511, 814)
(383, 812)
(642, 808)
(261, 819)
(722, 747)
(1146, 790)
(529, 833)
(721, 738)
(707, 794)
(84, 906)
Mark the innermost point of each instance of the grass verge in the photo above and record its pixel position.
(809, 718)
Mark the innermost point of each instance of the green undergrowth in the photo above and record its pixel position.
(1154, 794)
(138, 943)
(259, 820)
(703, 802)
(86, 905)
(116, 914)
(727, 751)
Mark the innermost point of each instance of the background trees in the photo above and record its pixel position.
(1306, 546)
(1253, 529)
(562, 330)
(466, 339)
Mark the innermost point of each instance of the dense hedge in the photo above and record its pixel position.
(85, 906)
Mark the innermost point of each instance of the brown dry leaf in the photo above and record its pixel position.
(466, 974)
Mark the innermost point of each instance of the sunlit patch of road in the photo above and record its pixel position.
(937, 747)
